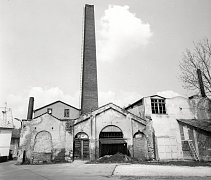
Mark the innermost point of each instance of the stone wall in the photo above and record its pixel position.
(43, 136)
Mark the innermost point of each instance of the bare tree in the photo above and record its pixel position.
(198, 58)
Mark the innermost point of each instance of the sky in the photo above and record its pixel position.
(139, 47)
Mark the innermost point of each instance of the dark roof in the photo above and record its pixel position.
(204, 124)
(131, 105)
(16, 133)
(55, 103)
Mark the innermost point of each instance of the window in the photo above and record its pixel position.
(49, 110)
(66, 113)
(158, 106)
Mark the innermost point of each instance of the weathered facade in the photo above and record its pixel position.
(164, 113)
(107, 130)
(196, 138)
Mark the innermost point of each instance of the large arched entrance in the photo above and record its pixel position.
(111, 141)
(81, 146)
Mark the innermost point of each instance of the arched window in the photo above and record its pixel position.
(111, 131)
(138, 134)
(81, 135)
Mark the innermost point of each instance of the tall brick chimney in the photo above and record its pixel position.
(201, 85)
(30, 108)
(89, 97)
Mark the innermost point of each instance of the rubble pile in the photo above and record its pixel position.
(116, 158)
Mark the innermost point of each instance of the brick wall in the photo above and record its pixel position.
(89, 100)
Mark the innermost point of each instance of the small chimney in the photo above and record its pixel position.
(30, 108)
(201, 85)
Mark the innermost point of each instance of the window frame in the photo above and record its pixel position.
(66, 112)
(158, 106)
(49, 110)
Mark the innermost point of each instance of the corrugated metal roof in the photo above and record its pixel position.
(204, 124)
(112, 141)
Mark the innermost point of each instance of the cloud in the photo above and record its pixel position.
(45, 96)
(121, 98)
(42, 96)
(120, 32)
(168, 94)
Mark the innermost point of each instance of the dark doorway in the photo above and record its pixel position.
(81, 146)
(111, 141)
(111, 149)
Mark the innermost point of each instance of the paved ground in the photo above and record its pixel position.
(158, 170)
(80, 171)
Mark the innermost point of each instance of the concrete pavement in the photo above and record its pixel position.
(78, 170)
(158, 170)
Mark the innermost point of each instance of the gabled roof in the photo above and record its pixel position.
(137, 102)
(157, 96)
(114, 107)
(55, 103)
(204, 124)
(51, 116)
(140, 100)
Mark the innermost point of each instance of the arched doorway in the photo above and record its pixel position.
(139, 146)
(111, 141)
(81, 146)
(42, 147)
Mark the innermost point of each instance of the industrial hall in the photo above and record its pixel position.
(152, 128)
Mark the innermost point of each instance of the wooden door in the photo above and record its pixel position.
(81, 149)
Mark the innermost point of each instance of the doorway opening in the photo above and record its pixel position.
(81, 146)
(111, 141)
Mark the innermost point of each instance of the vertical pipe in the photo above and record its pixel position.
(201, 85)
(30, 108)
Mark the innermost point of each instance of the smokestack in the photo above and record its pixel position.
(89, 97)
(201, 85)
(30, 108)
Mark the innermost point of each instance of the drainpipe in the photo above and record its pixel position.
(201, 85)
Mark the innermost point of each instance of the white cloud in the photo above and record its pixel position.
(120, 33)
(121, 98)
(42, 96)
(168, 94)
(45, 96)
